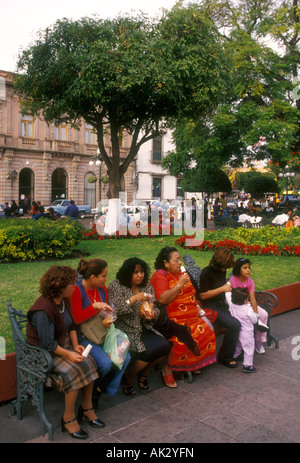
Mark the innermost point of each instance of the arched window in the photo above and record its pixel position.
(59, 184)
(26, 188)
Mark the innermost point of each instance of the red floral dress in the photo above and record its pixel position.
(183, 310)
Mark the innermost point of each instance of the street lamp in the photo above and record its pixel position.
(287, 174)
(98, 163)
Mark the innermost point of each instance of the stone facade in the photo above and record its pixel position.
(44, 162)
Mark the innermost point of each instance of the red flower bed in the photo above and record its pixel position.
(242, 248)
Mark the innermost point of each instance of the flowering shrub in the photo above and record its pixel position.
(92, 234)
(26, 240)
(265, 241)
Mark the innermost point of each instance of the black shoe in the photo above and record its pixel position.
(250, 369)
(96, 423)
(81, 434)
(229, 363)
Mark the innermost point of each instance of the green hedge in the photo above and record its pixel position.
(28, 240)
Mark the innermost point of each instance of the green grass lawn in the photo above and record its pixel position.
(20, 281)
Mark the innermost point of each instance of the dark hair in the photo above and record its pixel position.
(124, 274)
(55, 280)
(239, 295)
(164, 254)
(236, 271)
(87, 268)
(222, 257)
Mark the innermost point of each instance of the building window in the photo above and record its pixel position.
(179, 191)
(90, 135)
(157, 149)
(121, 137)
(61, 132)
(156, 187)
(2, 88)
(27, 126)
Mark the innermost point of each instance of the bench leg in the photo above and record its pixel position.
(271, 338)
(189, 375)
(16, 405)
(46, 425)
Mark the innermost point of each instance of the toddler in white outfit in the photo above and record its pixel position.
(240, 308)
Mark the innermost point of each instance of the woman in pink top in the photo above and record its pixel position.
(241, 278)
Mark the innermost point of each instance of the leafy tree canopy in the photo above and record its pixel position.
(197, 180)
(257, 186)
(262, 102)
(128, 73)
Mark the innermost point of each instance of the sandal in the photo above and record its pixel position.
(128, 389)
(169, 380)
(143, 382)
(229, 363)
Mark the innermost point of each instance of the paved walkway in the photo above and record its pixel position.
(219, 406)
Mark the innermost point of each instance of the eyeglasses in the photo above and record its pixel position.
(176, 260)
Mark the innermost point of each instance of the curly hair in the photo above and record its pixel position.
(55, 280)
(164, 254)
(222, 257)
(124, 274)
(87, 268)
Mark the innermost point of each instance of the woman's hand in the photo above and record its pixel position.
(140, 297)
(227, 287)
(79, 349)
(102, 306)
(75, 357)
(183, 280)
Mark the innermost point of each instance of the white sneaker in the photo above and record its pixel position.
(260, 349)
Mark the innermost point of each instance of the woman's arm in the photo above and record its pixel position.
(46, 330)
(215, 292)
(68, 354)
(79, 314)
(164, 294)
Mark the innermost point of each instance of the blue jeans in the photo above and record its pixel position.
(109, 375)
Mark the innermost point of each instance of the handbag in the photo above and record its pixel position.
(94, 330)
(116, 346)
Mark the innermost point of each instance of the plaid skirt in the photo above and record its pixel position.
(67, 376)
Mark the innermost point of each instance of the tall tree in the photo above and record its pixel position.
(260, 104)
(129, 73)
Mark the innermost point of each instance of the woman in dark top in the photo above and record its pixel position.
(51, 327)
(213, 287)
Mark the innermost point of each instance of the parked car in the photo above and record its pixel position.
(60, 206)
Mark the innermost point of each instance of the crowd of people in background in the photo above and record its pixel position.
(244, 208)
(37, 210)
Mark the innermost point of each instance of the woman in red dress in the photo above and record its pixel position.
(174, 289)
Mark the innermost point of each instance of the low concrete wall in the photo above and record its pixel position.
(288, 298)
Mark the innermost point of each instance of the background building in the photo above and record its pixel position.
(44, 162)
